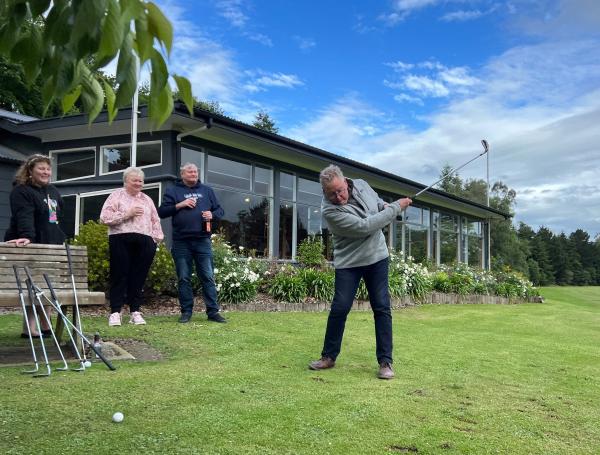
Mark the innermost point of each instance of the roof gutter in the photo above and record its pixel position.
(206, 126)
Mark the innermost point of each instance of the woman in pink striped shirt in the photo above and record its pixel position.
(133, 233)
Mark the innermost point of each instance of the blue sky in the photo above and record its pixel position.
(410, 85)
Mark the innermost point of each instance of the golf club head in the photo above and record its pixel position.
(485, 144)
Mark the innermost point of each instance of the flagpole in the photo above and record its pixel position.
(134, 114)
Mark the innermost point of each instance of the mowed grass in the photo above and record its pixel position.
(519, 379)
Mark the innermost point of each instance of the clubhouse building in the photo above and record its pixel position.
(267, 184)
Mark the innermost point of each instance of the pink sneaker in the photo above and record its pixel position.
(136, 318)
(114, 319)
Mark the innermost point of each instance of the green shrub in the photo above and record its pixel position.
(288, 286)
(310, 252)
(162, 278)
(441, 282)
(408, 278)
(320, 284)
(461, 283)
(95, 237)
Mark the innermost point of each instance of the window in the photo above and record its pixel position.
(116, 158)
(263, 180)
(89, 205)
(286, 186)
(309, 192)
(233, 174)
(474, 244)
(246, 220)
(448, 238)
(193, 156)
(73, 164)
(69, 215)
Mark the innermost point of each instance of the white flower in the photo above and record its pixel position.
(241, 248)
(216, 270)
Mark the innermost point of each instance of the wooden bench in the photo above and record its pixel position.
(50, 259)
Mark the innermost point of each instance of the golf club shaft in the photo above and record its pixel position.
(38, 327)
(453, 171)
(77, 315)
(24, 307)
(83, 337)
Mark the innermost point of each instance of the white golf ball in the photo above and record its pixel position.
(87, 364)
(118, 417)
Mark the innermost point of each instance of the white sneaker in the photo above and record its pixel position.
(136, 318)
(114, 319)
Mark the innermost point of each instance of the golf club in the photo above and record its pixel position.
(56, 303)
(39, 329)
(486, 148)
(77, 317)
(76, 329)
(22, 300)
(38, 293)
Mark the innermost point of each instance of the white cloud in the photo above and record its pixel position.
(260, 38)
(539, 108)
(461, 16)
(304, 43)
(232, 11)
(260, 80)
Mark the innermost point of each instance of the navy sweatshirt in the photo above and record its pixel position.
(35, 214)
(187, 222)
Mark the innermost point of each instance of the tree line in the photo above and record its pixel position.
(544, 257)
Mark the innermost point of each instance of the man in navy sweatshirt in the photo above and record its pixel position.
(192, 207)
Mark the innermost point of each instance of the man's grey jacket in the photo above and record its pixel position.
(356, 228)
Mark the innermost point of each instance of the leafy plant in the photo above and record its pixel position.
(288, 286)
(310, 252)
(95, 237)
(162, 277)
(320, 284)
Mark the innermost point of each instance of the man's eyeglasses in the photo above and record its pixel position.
(335, 194)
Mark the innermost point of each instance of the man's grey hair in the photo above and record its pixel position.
(330, 173)
(131, 170)
(187, 165)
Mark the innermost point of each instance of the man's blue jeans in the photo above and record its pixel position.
(185, 254)
(346, 285)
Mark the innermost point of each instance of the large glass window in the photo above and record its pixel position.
(416, 242)
(90, 205)
(263, 180)
(69, 215)
(286, 186)
(286, 229)
(73, 164)
(193, 156)
(474, 244)
(448, 238)
(309, 192)
(233, 174)
(115, 158)
(246, 220)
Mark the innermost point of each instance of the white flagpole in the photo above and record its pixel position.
(134, 115)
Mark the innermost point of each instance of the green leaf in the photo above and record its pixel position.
(28, 52)
(160, 27)
(86, 28)
(69, 99)
(92, 96)
(185, 92)
(112, 34)
(131, 10)
(110, 101)
(127, 76)
(37, 7)
(57, 30)
(143, 40)
(48, 93)
(161, 106)
(159, 74)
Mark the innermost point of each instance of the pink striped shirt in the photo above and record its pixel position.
(115, 210)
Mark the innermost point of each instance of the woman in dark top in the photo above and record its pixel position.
(35, 207)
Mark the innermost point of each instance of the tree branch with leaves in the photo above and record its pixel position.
(68, 42)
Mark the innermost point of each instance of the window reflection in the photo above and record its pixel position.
(228, 173)
(246, 221)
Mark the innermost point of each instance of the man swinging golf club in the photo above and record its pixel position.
(355, 215)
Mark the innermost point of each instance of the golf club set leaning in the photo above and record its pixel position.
(37, 297)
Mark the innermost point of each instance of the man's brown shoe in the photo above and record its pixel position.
(322, 364)
(385, 371)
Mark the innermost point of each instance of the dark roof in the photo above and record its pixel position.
(16, 117)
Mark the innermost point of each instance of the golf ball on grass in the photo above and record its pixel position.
(118, 417)
(87, 364)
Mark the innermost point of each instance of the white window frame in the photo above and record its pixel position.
(80, 196)
(133, 156)
(53, 153)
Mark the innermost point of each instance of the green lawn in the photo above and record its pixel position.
(518, 379)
